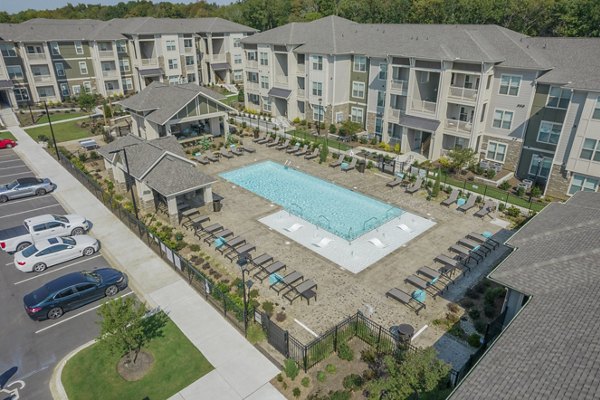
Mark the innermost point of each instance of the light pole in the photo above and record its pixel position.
(135, 209)
(51, 131)
(319, 117)
(537, 174)
(242, 261)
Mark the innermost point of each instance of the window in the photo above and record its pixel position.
(378, 125)
(360, 64)
(21, 94)
(8, 50)
(318, 113)
(14, 71)
(461, 143)
(264, 81)
(549, 132)
(596, 113)
(252, 77)
(54, 48)
(87, 86)
(509, 84)
(187, 43)
(76, 90)
(496, 151)
(483, 109)
(358, 90)
(382, 72)
(83, 68)
(380, 99)
(266, 103)
(127, 83)
(264, 58)
(60, 69)
(317, 63)
(189, 60)
(124, 65)
(64, 89)
(85, 286)
(173, 63)
(237, 42)
(173, 79)
(558, 98)
(590, 150)
(254, 98)
(65, 293)
(238, 74)
(423, 76)
(191, 77)
(237, 59)
(78, 48)
(47, 91)
(251, 55)
(121, 46)
(502, 119)
(104, 46)
(317, 88)
(540, 166)
(583, 183)
(356, 115)
(109, 86)
(171, 45)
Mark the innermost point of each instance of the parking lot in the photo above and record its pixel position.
(35, 348)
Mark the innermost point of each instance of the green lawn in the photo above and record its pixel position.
(92, 373)
(229, 100)
(25, 117)
(6, 135)
(64, 131)
(331, 142)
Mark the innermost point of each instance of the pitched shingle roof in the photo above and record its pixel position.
(172, 176)
(551, 349)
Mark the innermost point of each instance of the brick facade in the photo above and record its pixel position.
(558, 184)
(370, 123)
(513, 151)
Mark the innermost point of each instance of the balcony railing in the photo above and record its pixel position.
(396, 112)
(301, 92)
(42, 78)
(251, 64)
(424, 106)
(106, 53)
(36, 57)
(400, 85)
(219, 57)
(459, 126)
(188, 50)
(190, 68)
(301, 68)
(463, 93)
(110, 73)
(252, 85)
(147, 62)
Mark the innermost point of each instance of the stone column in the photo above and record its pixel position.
(215, 127)
(207, 193)
(173, 211)
(119, 175)
(225, 127)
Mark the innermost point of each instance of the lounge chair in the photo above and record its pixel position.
(451, 199)
(286, 281)
(404, 228)
(223, 233)
(259, 261)
(406, 299)
(468, 205)
(248, 149)
(483, 240)
(195, 222)
(378, 243)
(312, 155)
(199, 233)
(450, 264)
(247, 248)
(424, 285)
(232, 244)
(238, 152)
(265, 140)
(323, 242)
(350, 167)
(415, 186)
(433, 275)
(225, 153)
(487, 208)
(211, 158)
(397, 181)
(302, 152)
(202, 160)
(258, 139)
(335, 164)
(293, 149)
(475, 246)
(284, 145)
(273, 142)
(466, 254)
(294, 227)
(306, 289)
(265, 272)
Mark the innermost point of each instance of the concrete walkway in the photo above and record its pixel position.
(241, 371)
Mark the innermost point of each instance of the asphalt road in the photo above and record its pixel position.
(35, 348)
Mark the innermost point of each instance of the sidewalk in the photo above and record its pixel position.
(241, 371)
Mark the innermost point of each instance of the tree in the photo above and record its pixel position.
(461, 158)
(87, 101)
(107, 110)
(124, 330)
(324, 152)
(435, 191)
(412, 374)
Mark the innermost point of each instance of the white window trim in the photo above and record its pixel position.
(496, 151)
(172, 63)
(595, 108)
(10, 50)
(60, 71)
(509, 86)
(540, 131)
(314, 60)
(84, 64)
(503, 112)
(54, 48)
(78, 47)
(354, 64)
(363, 89)
(585, 178)
(362, 114)
(170, 45)
(319, 90)
(385, 68)
(535, 157)
(76, 89)
(21, 90)
(559, 97)
(125, 65)
(20, 71)
(595, 150)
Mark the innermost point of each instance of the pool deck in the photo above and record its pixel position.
(341, 292)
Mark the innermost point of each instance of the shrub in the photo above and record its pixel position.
(267, 306)
(489, 310)
(453, 308)
(255, 333)
(536, 191)
(279, 378)
(195, 247)
(474, 314)
(332, 128)
(480, 326)
(83, 157)
(296, 392)
(504, 185)
(253, 294)
(330, 368)
(42, 138)
(94, 155)
(490, 173)
(305, 381)
(467, 303)
(321, 376)
(501, 207)
(280, 317)
(340, 395)
(324, 153)
(345, 352)
(520, 191)
(512, 211)
(290, 367)
(118, 197)
(472, 293)
(179, 236)
(491, 294)
(474, 340)
(353, 382)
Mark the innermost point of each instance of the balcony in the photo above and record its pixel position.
(219, 57)
(456, 125)
(149, 62)
(301, 93)
(424, 106)
(188, 50)
(400, 86)
(110, 73)
(252, 64)
(301, 68)
(37, 57)
(252, 85)
(43, 79)
(281, 79)
(112, 92)
(106, 53)
(190, 68)
(396, 112)
(463, 93)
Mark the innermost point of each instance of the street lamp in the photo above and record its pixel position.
(537, 174)
(51, 131)
(319, 117)
(242, 261)
(135, 209)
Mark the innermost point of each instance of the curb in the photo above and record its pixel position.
(56, 387)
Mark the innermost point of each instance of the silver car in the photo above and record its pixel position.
(24, 187)
(49, 252)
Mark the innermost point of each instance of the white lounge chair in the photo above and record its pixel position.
(377, 243)
(294, 227)
(405, 228)
(323, 242)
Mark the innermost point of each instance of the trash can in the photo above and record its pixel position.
(217, 205)
(360, 167)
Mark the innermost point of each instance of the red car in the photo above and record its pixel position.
(7, 143)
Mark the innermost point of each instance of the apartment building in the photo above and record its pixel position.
(432, 88)
(51, 60)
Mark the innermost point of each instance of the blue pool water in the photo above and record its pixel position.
(338, 210)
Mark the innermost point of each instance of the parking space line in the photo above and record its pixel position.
(16, 159)
(51, 270)
(17, 166)
(8, 203)
(77, 315)
(10, 263)
(18, 173)
(28, 211)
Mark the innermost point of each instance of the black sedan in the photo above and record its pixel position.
(72, 291)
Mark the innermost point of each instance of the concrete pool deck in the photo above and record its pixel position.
(355, 255)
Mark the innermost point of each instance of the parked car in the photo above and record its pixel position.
(7, 143)
(24, 187)
(41, 227)
(48, 252)
(72, 291)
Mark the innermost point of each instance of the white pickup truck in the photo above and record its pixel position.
(41, 227)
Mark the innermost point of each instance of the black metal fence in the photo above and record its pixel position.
(205, 286)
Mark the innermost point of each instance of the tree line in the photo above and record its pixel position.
(531, 17)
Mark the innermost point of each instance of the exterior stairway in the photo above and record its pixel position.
(8, 118)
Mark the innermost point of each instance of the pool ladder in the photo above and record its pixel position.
(321, 216)
(367, 221)
(300, 214)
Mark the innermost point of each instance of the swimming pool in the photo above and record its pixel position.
(338, 210)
